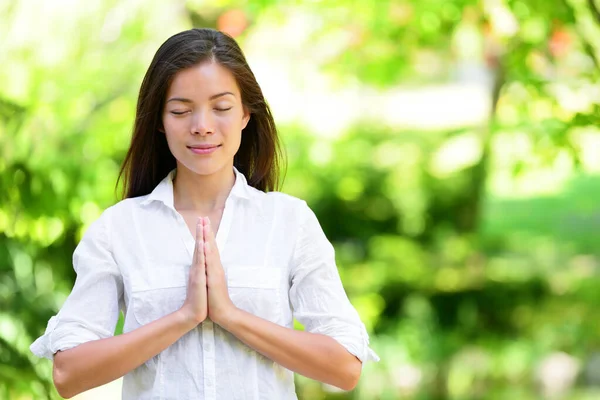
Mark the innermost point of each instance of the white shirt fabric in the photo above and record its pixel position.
(136, 257)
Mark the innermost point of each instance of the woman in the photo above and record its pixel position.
(207, 262)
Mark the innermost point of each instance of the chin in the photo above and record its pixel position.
(207, 167)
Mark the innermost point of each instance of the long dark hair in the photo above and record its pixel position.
(149, 159)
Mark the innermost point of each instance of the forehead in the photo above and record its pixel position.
(202, 81)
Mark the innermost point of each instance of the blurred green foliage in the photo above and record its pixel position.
(467, 288)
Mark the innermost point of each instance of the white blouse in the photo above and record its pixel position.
(279, 265)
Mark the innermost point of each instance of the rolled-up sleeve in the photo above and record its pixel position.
(318, 299)
(92, 308)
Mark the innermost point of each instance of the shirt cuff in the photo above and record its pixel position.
(368, 353)
(356, 342)
(63, 336)
(41, 346)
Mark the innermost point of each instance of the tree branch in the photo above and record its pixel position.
(587, 46)
(594, 10)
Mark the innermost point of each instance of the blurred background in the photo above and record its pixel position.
(450, 149)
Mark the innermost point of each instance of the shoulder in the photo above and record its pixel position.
(285, 200)
(282, 203)
(295, 212)
(124, 207)
(114, 216)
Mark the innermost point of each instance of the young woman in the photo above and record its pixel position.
(208, 263)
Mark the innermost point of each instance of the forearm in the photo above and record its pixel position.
(315, 356)
(101, 361)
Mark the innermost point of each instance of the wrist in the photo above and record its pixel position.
(229, 318)
(187, 319)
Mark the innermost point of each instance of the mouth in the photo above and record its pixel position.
(204, 148)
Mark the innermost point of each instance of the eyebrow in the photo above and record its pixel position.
(184, 100)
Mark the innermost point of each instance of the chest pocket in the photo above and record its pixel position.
(162, 290)
(158, 292)
(257, 290)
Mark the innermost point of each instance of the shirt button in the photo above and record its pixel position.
(208, 347)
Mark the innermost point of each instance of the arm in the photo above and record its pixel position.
(317, 296)
(101, 361)
(313, 355)
(86, 354)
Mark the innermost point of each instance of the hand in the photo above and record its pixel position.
(195, 306)
(220, 306)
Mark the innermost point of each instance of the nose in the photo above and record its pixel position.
(202, 123)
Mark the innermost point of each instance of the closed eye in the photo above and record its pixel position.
(216, 109)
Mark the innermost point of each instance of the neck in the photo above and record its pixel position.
(202, 193)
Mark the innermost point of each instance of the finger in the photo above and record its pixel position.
(205, 229)
(199, 248)
(200, 240)
(209, 239)
(195, 253)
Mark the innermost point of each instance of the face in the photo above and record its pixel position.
(203, 118)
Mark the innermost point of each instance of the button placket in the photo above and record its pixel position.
(208, 336)
(208, 352)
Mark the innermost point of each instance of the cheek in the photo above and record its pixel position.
(172, 125)
(230, 126)
(229, 121)
(172, 131)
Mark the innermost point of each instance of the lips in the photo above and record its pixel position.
(203, 148)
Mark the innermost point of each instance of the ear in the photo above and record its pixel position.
(161, 128)
(245, 117)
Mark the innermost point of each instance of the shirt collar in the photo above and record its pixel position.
(163, 192)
